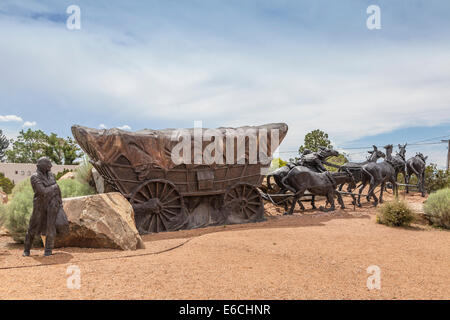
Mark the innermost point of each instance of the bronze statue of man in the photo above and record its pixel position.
(46, 204)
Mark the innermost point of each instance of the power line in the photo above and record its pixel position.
(360, 148)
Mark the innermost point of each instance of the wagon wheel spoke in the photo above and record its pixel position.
(170, 212)
(161, 206)
(244, 201)
(166, 202)
(170, 192)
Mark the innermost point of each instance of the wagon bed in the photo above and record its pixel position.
(166, 195)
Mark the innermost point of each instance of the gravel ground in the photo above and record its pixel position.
(305, 256)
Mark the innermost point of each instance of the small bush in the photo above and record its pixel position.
(436, 179)
(83, 173)
(395, 213)
(437, 208)
(18, 211)
(2, 213)
(5, 184)
(74, 188)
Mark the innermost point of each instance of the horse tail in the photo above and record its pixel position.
(287, 185)
(269, 185)
(413, 168)
(372, 179)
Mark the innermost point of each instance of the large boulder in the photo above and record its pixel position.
(100, 221)
(68, 175)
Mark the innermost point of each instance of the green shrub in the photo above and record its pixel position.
(74, 188)
(2, 213)
(395, 213)
(436, 179)
(18, 211)
(437, 208)
(5, 184)
(83, 173)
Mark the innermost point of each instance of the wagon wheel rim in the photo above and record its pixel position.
(247, 198)
(168, 206)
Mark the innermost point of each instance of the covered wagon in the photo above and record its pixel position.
(185, 178)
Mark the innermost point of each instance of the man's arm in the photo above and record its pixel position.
(39, 187)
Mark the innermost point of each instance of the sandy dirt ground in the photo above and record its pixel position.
(310, 255)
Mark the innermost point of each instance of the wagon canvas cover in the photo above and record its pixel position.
(154, 147)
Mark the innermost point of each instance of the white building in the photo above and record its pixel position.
(17, 172)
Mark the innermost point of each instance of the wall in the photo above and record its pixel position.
(17, 172)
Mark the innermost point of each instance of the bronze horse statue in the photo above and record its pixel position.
(301, 179)
(379, 173)
(356, 169)
(416, 165)
(309, 160)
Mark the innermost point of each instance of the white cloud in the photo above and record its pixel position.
(102, 126)
(29, 124)
(124, 127)
(10, 118)
(348, 91)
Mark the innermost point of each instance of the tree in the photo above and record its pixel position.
(435, 179)
(33, 144)
(315, 139)
(5, 184)
(4, 144)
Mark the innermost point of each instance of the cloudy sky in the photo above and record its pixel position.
(165, 64)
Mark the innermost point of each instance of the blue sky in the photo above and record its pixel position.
(158, 64)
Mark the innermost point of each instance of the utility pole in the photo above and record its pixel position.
(448, 153)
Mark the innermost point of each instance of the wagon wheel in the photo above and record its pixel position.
(158, 206)
(245, 202)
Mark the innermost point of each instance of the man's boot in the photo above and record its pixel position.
(48, 246)
(28, 243)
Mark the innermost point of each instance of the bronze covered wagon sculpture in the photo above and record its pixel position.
(185, 178)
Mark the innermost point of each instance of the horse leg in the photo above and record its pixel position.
(296, 197)
(359, 195)
(302, 207)
(350, 190)
(422, 183)
(313, 205)
(330, 199)
(341, 202)
(372, 193)
(407, 182)
(381, 192)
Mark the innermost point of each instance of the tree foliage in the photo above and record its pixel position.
(5, 184)
(339, 161)
(315, 139)
(436, 179)
(4, 144)
(33, 144)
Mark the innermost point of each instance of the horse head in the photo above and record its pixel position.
(402, 150)
(375, 154)
(325, 152)
(421, 156)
